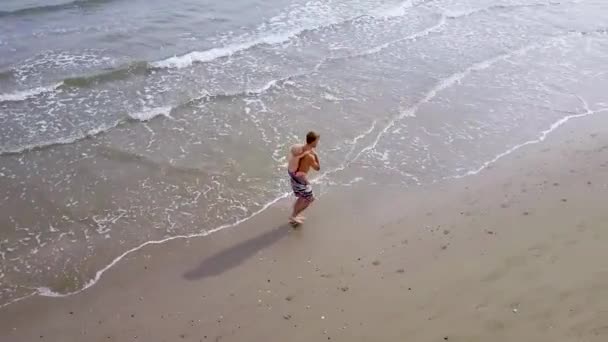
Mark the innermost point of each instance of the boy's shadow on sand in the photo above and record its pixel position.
(237, 254)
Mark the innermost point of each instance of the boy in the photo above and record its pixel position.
(302, 158)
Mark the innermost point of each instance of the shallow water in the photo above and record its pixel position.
(128, 122)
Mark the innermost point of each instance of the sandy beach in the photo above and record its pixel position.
(514, 253)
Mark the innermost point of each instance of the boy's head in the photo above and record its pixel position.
(312, 139)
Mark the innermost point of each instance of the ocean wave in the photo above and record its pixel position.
(135, 68)
(446, 14)
(23, 95)
(543, 135)
(275, 38)
(52, 8)
(183, 61)
(395, 11)
(150, 113)
(60, 141)
(144, 115)
(272, 84)
(376, 49)
(178, 62)
(456, 78)
(454, 14)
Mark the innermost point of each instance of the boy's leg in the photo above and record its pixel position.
(300, 205)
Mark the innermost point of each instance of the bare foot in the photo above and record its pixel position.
(295, 220)
(294, 223)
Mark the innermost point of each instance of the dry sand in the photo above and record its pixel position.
(515, 253)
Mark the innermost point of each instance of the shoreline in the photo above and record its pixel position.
(466, 259)
(47, 292)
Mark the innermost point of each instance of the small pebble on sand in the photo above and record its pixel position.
(376, 263)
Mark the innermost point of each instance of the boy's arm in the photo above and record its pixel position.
(303, 176)
(315, 165)
(301, 155)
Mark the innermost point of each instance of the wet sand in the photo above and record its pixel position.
(515, 253)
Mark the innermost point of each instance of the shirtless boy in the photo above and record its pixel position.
(301, 159)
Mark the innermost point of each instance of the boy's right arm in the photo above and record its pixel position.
(301, 155)
(315, 164)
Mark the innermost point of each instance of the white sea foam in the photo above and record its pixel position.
(46, 292)
(297, 23)
(446, 14)
(393, 11)
(445, 83)
(459, 13)
(148, 114)
(435, 28)
(543, 135)
(61, 141)
(188, 59)
(143, 116)
(23, 95)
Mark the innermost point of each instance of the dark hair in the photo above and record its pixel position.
(311, 137)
